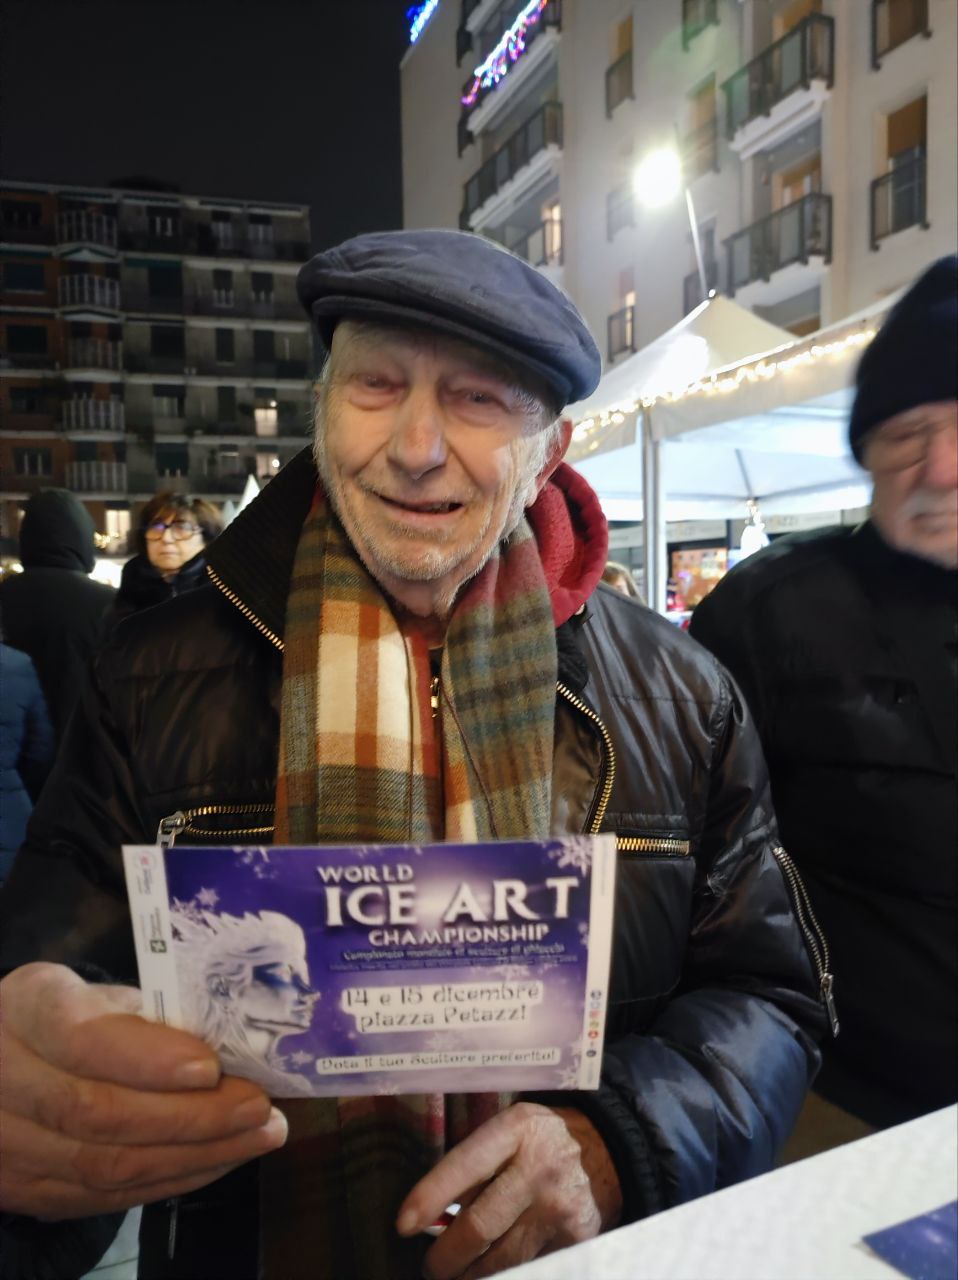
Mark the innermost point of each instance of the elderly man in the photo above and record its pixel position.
(844, 641)
(404, 640)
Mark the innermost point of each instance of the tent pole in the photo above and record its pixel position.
(653, 517)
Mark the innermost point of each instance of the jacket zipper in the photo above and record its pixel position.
(812, 931)
(181, 823)
(664, 845)
(595, 825)
(244, 609)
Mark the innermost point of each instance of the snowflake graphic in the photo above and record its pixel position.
(574, 852)
(584, 933)
(300, 1058)
(207, 898)
(569, 1076)
(388, 1089)
(441, 1040)
(508, 972)
(189, 910)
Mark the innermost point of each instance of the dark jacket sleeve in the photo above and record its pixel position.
(728, 627)
(38, 746)
(708, 1095)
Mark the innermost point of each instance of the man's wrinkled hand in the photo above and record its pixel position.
(102, 1110)
(531, 1180)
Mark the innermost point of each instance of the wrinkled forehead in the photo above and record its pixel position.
(354, 338)
(933, 412)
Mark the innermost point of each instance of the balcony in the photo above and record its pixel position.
(95, 353)
(152, 241)
(40, 360)
(527, 38)
(219, 302)
(621, 332)
(135, 300)
(697, 15)
(277, 250)
(202, 242)
(80, 226)
(146, 362)
(89, 293)
(93, 415)
(782, 89)
(894, 22)
(897, 199)
(34, 423)
(692, 286)
(280, 369)
(524, 158)
(269, 307)
(97, 477)
(773, 259)
(12, 232)
(699, 150)
(542, 246)
(618, 83)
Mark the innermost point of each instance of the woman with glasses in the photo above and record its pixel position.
(173, 534)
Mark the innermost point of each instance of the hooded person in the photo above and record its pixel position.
(844, 642)
(54, 611)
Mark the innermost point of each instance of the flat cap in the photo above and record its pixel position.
(461, 285)
(913, 359)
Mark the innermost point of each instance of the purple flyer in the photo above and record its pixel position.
(334, 970)
(923, 1248)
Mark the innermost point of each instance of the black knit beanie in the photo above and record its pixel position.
(914, 357)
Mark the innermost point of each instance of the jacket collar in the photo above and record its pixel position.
(253, 557)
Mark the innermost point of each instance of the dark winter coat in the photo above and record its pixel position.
(142, 585)
(714, 1000)
(53, 611)
(26, 748)
(846, 652)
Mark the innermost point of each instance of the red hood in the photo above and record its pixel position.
(573, 539)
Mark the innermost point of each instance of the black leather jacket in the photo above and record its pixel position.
(715, 992)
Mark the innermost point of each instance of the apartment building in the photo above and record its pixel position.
(818, 140)
(148, 340)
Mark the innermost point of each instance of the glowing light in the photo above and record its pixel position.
(509, 49)
(418, 15)
(658, 179)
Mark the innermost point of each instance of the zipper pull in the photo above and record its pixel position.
(828, 1000)
(170, 828)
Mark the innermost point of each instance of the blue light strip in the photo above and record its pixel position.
(418, 15)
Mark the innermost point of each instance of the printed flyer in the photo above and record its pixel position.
(375, 969)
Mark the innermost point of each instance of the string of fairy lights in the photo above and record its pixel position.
(724, 383)
(510, 47)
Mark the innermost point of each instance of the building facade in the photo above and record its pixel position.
(818, 141)
(148, 340)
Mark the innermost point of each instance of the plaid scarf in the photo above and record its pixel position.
(362, 758)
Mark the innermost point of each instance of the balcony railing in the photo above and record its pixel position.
(894, 22)
(804, 54)
(82, 226)
(27, 360)
(89, 291)
(696, 16)
(503, 18)
(219, 302)
(278, 250)
(136, 300)
(700, 150)
(621, 325)
(803, 229)
(145, 362)
(16, 233)
(92, 415)
(541, 247)
(898, 199)
(692, 286)
(541, 130)
(94, 353)
(618, 82)
(205, 244)
(153, 241)
(96, 477)
(279, 368)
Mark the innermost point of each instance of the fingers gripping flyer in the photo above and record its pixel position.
(375, 969)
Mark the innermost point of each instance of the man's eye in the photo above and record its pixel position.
(374, 382)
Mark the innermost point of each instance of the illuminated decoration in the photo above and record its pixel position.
(754, 537)
(721, 384)
(417, 16)
(509, 49)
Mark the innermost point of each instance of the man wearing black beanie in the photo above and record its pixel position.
(844, 641)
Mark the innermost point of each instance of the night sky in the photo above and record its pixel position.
(292, 100)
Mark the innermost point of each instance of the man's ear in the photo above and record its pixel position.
(560, 445)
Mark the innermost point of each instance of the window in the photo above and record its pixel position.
(264, 346)
(33, 462)
(168, 402)
(261, 284)
(906, 130)
(619, 209)
(265, 412)
(260, 228)
(27, 400)
(166, 340)
(172, 460)
(267, 464)
(226, 405)
(700, 144)
(618, 77)
(165, 281)
(21, 213)
(223, 288)
(221, 224)
(118, 524)
(898, 196)
(225, 346)
(894, 22)
(27, 339)
(24, 277)
(163, 223)
(227, 461)
(696, 16)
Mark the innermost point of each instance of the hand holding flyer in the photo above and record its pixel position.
(382, 969)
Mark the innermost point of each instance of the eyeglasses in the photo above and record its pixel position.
(180, 529)
(895, 446)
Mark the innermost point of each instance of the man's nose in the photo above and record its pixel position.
(941, 461)
(418, 440)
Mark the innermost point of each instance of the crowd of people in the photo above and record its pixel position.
(433, 541)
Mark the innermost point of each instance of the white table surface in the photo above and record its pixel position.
(802, 1222)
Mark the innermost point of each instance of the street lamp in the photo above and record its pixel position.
(656, 182)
